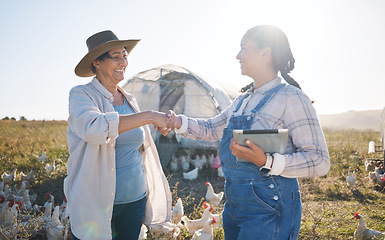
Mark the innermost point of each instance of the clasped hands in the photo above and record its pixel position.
(251, 152)
(167, 123)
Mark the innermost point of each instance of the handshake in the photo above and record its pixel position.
(166, 122)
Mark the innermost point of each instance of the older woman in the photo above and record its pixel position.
(114, 173)
(262, 193)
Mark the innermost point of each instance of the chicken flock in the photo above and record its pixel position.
(375, 169)
(19, 212)
(199, 229)
(21, 217)
(376, 176)
(191, 166)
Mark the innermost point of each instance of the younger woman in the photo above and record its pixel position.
(263, 199)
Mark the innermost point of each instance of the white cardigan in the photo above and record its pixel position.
(90, 183)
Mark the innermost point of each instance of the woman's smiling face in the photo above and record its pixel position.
(114, 66)
(250, 57)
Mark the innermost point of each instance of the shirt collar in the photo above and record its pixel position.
(267, 86)
(102, 89)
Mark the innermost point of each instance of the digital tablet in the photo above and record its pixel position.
(270, 140)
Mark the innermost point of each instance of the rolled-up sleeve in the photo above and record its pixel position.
(204, 129)
(88, 121)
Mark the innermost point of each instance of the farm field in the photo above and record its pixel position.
(327, 201)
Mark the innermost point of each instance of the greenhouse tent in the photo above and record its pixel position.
(173, 87)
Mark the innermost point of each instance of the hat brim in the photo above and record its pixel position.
(84, 67)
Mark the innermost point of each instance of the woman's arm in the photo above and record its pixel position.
(87, 121)
(135, 120)
(310, 157)
(197, 128)
(92, 125)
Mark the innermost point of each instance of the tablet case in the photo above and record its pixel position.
(270, 140)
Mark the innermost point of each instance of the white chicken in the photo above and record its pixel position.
(211, 159)
(62, 211)
(370, 165)
(211, 196)
(194, 225)
(27, 206)
(37, 209)
(28, 179)
(220, 172)
(47, 212)
(206, 233)
(43, 156)
(363, 232)
(9, 178)
(32, 198)
(7, 191)
(378, 170)
(54, 229)
(197, 162)
(174, 163)
(351, 179)
(50, 200)
(166, 230)
(22, 189)
(185, 163)
(377, 178)
(192, 175)
(50, 167)
(205, 161)
(143, 233)
(218, 217)
(12, 216)
(4, 213)
(177, 212)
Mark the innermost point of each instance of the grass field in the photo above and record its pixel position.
(327, 201)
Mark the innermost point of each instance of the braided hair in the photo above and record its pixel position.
(282, 57)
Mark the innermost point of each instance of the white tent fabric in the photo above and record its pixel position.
(173, 87)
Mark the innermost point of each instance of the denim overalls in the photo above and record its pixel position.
(258, 206)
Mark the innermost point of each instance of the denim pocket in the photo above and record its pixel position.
(265, 193)
(253, 196)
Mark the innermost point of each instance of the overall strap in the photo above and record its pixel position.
(240, 102)
(268, 96)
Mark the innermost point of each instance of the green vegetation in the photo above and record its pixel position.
(328, 203)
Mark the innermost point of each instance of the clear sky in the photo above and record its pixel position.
(339, 46)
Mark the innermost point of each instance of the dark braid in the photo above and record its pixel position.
(275, 38)
(247, 87)
(290, 80)
(284, 73)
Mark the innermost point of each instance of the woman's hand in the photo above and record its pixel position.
(252, 153)
(163, 123)
(177, 122)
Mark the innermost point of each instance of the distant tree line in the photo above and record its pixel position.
(22, 118)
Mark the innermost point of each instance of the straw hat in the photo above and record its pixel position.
(98, 44)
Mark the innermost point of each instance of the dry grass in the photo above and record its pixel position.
(327, 201)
